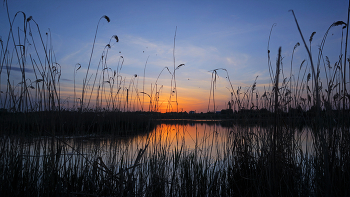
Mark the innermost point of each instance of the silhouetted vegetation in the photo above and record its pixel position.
(261, 154)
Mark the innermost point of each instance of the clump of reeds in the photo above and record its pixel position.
(266, 160)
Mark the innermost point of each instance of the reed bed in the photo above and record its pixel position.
(46, 147)
(222, 162)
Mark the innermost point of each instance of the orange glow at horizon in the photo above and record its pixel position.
(188, 99)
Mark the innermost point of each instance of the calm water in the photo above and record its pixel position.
(206, 140)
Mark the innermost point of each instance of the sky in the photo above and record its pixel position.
(231, 35)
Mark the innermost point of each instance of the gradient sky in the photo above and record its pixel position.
(210, 34)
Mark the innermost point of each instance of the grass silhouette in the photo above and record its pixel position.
(260, 155)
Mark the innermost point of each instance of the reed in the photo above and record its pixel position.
(91, 149)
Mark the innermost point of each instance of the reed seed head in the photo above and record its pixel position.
(116, 38)
(179, 66)
(328, 62)
(308, 77)
(338, 23)
(296, 45)
(312, 35)
(78, 67)
(107, 18)
(29, 18)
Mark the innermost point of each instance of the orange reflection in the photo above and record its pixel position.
(202, 137)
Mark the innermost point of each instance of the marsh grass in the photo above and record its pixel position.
(235, 161)
(38, 156)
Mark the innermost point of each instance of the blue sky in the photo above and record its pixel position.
(210, 34)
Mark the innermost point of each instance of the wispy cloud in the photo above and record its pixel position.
(27, 70)
(68, 80)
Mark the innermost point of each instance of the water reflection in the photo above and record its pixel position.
(181, 152)
(212, 140)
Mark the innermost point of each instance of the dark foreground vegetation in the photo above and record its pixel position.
(74, 123)
(37, 157)
(252, 161)
(132, 123)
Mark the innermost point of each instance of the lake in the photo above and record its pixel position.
(206, 139)
(173, 157)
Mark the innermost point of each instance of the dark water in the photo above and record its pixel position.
(208, 140)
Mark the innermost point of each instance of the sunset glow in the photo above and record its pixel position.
(141, 70)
